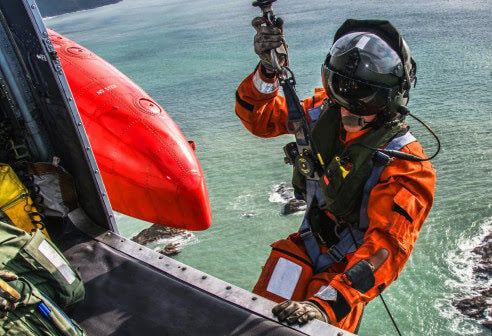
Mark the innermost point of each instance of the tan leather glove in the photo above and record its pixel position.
(298, 312)
(268, 38)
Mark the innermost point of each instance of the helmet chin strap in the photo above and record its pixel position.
(353, 121)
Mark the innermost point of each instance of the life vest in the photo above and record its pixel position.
(16, 206)
(343, 189)
(348, 167)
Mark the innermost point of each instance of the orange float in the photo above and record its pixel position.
(149, 169)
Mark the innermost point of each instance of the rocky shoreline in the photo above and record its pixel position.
(479, 307)
(52, 8)
(290, 204)
(158, 232)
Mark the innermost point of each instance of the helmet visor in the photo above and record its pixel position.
(376, 61)
(357, 96)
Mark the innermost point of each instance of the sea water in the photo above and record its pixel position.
(190, 56)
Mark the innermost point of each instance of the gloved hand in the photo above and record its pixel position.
(268, 38)
(8, 296)
(301, 312)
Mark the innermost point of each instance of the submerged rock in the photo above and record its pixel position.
(170, 249)
(484, 269)
(476, 306)
(479, 307)
(285, 192)
(293, 206)
(155, 233)
(248, 214)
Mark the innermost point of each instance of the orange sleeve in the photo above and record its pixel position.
(265, 113)
(398, 206)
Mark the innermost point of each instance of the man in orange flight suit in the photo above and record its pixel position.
(367, 77)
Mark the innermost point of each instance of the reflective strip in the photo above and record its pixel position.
(362, 42)
(52, 255)
(284, 278)
(327, 293)
(262, 86)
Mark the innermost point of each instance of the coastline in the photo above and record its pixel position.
(48, 9)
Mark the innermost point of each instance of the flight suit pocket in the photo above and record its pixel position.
(49, 270)
(405, 223)
(286, 273)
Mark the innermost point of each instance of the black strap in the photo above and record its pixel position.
(295, 110)
(243, 103)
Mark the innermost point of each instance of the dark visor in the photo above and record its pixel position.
(357, 96)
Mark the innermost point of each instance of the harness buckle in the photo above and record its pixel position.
(381, 159)
(306, 234)
(335, 254)
(340, 225)
(320, 238)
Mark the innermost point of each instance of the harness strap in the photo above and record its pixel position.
(350, 238)
(296, 122)
(313, 193)
(338, 251)
(381, 160)
(314, 114)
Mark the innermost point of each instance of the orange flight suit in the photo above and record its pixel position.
(408, 184)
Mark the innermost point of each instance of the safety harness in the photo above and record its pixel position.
(351, 237)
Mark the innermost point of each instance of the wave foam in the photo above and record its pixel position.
(281, 193)
(467, 281)
(181, 240)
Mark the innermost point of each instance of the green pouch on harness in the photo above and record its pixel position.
(36, 315)
(35, 258)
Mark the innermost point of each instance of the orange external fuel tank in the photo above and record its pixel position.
(149, 169)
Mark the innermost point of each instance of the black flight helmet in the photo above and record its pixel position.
(365, 74)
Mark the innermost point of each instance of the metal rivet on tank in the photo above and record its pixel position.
(33, 6)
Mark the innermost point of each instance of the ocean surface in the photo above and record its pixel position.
(191, 55)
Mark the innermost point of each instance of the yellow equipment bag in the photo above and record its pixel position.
(16, 203)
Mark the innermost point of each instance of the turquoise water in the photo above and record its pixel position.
(190, 56)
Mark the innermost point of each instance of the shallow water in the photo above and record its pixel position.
(190, 57)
